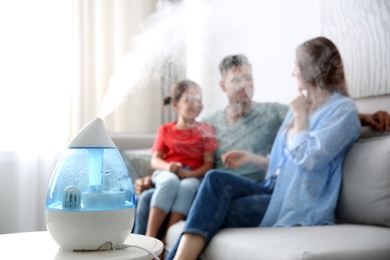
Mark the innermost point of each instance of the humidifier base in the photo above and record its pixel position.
(76, 230)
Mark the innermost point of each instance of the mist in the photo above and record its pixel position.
(195, 35)
(160, 42)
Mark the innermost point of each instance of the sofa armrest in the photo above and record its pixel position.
(365, 194)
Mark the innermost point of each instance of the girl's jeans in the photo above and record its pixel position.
(173, 194)
(225, 200)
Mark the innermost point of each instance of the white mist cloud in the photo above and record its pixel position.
(161, 42)
(179, 33)
(197, 34)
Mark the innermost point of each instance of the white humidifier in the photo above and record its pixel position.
(90, 203)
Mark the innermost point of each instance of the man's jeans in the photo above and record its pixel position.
(225, 200)
(142, 212)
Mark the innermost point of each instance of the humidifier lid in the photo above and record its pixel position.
(94, 134)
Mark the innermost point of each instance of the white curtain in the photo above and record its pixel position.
(57, 58)
(24, 180)
(35, 64)
(35, 80)
(104, 34)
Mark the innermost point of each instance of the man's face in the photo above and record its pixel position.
(238, 84)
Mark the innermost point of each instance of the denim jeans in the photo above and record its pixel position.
(173, 194)
(142, 211)
(225, 200)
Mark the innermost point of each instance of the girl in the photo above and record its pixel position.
(181, 154)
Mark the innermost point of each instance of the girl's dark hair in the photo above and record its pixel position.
(321, 65)
(178, 90)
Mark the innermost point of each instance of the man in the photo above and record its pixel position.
(243, 124)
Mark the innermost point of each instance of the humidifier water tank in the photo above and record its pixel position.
(90, 201)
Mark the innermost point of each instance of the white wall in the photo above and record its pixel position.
(266, 31)
(360, 29)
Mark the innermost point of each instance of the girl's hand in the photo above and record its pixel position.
(175, 167)
(235, 158)
(183, 173)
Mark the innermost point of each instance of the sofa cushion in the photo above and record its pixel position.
(137, 162)
(365, 193)
(317, 242)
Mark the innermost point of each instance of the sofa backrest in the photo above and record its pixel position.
(135, 149)
(365, 192)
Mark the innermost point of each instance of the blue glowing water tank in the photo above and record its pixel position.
(90, 200)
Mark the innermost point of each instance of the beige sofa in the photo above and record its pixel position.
(363, 212)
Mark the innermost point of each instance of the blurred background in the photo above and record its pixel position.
(63, 63)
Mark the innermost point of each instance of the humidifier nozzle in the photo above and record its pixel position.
(94, 134)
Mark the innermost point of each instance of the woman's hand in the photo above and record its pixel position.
(300, 106)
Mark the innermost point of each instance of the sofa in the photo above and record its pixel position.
(362, 229)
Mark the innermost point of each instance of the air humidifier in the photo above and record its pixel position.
(90, 201)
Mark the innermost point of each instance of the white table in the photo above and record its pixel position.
(40, 245)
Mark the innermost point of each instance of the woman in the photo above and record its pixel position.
(303, 169)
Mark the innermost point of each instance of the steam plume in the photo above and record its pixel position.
(160, 42)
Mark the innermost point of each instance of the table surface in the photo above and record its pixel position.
(40, 245)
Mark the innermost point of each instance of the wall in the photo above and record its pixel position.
(268, 33)
(361, 31)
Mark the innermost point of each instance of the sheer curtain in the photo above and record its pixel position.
(57, 58)
(104, 34)
(35, 64)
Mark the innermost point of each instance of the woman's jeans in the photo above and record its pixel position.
(225, 200)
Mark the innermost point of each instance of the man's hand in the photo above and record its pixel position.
(379, 120)
(235, 158)
(142, 184)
